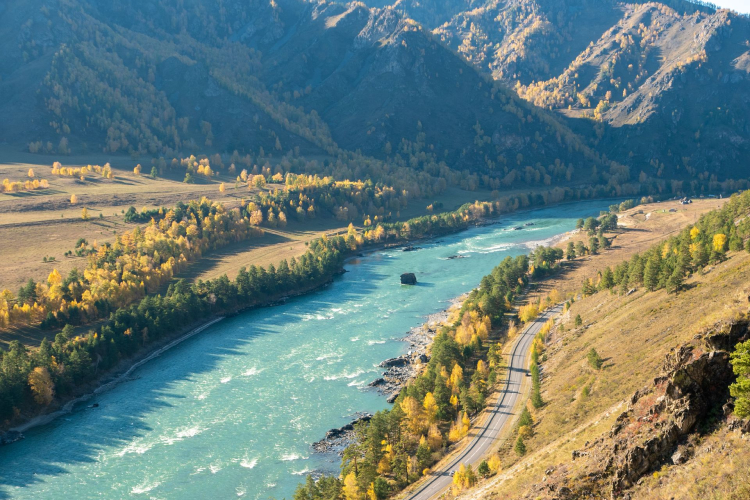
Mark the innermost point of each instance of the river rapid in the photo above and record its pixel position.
(232, 411)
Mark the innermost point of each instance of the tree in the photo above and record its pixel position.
(594, 359)
(578, 320)
(31, 173)
(154, 172)
(579, 224)
(84, 213)
(520, 447)
(651, 272)
(41, 385)
(137, 169)
(351, 488)
(719, 243)
(27, 293)
(674, 283)
(483, 469)
(740, 390)
(73, 199)
(580, 249)
(590, 224)
(608, 279)
(570, 253)
(222, 188)
(594, 244)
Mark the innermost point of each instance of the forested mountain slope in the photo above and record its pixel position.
(161, 78)
(650, 78)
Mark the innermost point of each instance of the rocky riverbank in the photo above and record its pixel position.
(398, 372)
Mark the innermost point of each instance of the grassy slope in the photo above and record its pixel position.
(633, 334)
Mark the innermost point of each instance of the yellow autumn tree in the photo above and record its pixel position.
(31, 173)
(73, 199)
(457, 375)
(137, 169)
(720, 241)
(413, 411)
(430, 407)
(222, 188)
(351, 489)
(694, 233)
(84, 213)
(434, 438)
(494, 463)
(41, 385)
(371, 495)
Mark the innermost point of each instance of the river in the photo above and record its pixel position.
(232, 411)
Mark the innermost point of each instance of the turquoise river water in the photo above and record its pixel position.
(232, 411)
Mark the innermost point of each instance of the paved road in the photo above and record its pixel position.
(501, 414)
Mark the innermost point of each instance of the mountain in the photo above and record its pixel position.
(165, 78)
(661, 86)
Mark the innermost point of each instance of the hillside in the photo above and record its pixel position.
(652, 418)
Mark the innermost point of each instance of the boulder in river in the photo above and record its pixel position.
(408, 279)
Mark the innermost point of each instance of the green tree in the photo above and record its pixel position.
(578, 320)
(594, 359)
(594, 244)
(651, 272)
(483, 469)
(608, 279)
(570, 253)
(740, 390)
(580, 249)
(520, 447)
(154, 172)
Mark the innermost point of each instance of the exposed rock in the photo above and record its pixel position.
(377, 382)
(456, 257)
(411, 248)
(10, 437)
(408, 279)
(338, 439)
(399, 361)
(660, 422)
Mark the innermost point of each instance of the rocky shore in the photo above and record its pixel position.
(397, 373)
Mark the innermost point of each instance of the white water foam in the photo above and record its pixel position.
(225, 380)
(249, 464)
(144, 487)
(252, 371)
(289, 457)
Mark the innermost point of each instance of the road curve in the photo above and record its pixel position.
(501, 414)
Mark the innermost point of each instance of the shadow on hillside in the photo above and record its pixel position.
(113, 429)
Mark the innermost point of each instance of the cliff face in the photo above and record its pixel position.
(661, 424)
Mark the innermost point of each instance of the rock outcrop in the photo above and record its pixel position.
(659, 424)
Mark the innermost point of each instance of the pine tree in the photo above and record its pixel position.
(651, 272)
